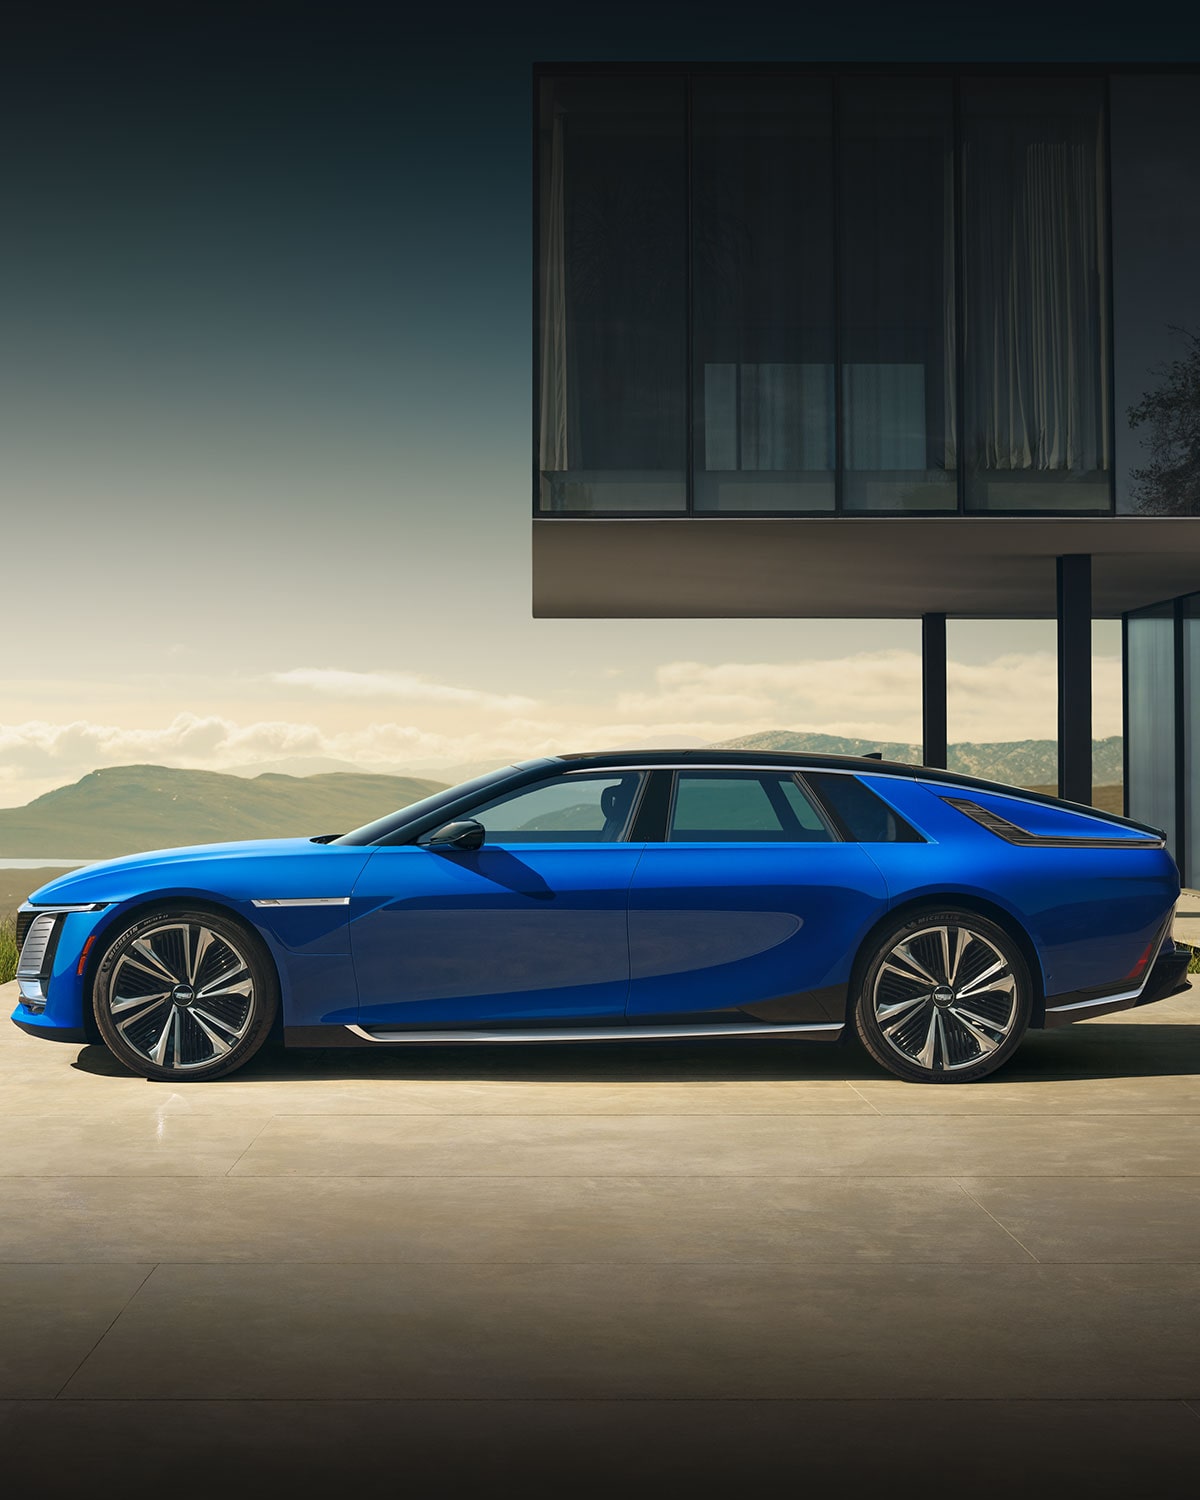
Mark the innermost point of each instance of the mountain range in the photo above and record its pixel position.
(1025, 763)
(127, 809)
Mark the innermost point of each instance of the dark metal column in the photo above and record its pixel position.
(1075, 677)
(933, 690)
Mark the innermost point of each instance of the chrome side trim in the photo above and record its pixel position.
(1156, 949)
(302, 901)
(596, 1033)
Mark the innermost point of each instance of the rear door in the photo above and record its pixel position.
(747, 903)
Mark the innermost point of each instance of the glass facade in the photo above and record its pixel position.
(808, 293)
(1151, 718)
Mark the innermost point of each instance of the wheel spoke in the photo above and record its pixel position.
(123, 1026)
(904, 952)
(962, 941)
(203, 941)
(221, 985)
(926, 1054)
(986, 1043)
(119, 1006)
(150, 961)
(159, 1051)
(895, 1015)
(982, 984)
(234, 1031)
(220, 1045)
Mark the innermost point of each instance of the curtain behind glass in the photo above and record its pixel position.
(612, 309)
(897, 305)
(762, 267)
(1036, 295)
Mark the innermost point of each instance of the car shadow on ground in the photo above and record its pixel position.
(1077, 1053)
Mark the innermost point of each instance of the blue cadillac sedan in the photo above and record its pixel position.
(607, 897)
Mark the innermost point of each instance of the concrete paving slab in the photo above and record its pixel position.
(1082, 1220)
(449, 1220)
(52, 1316)
(595, 1332)
(596, 1145)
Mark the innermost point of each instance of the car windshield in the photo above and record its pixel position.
(372, 833)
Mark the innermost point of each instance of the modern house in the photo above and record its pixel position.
(854, 341)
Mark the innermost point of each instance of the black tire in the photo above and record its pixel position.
(944, 996)
(185, 995)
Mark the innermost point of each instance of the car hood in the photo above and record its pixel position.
(196, 867)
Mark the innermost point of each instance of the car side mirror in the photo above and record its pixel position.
(463, 833)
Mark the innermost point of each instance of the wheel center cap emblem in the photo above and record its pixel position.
(183, 994)
(943, 995)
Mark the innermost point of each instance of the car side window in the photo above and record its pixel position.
(751, 807)
(864, 817)
(563, 809)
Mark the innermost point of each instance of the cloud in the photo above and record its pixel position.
(409, 687)
(872, 695)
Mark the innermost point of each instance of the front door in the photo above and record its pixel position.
(531, 927)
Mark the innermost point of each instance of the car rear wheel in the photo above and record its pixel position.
(185, 995)
(944, 997)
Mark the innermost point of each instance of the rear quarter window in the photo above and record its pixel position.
(861, 815)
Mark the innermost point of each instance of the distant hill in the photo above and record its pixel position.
(125, 809)
(1018, 762)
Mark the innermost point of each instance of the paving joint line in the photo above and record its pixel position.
(972, 1199)
(113, 1321)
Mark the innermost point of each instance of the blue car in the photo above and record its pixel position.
(660, 894)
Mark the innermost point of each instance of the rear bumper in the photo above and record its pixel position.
(1168, 976)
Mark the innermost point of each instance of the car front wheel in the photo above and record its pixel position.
(944, 997)
(185, 995)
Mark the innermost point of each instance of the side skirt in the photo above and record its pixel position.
(359, 1036)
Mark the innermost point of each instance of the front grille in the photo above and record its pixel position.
(37, 949)
(24, 923)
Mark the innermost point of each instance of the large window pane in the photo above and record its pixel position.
(612, 427)
(762, 217)
(1036, 296)
(1150, 723)
(897, 339)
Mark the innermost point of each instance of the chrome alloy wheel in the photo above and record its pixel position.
(945, 998)
(181, 995)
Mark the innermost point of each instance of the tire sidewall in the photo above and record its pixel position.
(246, 942)
(868, 1029)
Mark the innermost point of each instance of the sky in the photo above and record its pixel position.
(264, 406)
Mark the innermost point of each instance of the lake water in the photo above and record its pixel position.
(42, 864)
